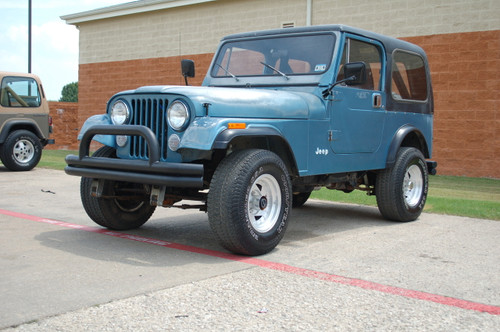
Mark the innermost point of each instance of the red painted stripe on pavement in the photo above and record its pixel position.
(449, 301)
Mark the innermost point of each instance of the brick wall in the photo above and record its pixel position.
(466, 79)
(465, 71)
(65, 125)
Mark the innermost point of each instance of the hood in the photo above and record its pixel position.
(245, 102)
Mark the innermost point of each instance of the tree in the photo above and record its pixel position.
(69, 92)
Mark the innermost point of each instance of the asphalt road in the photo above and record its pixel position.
(339, 268)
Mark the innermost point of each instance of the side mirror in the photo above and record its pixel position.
(187, 68)
(355, 73)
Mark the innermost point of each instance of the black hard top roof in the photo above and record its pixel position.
(390, 43)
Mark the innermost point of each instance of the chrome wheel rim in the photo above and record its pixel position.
(413, 186)
(23, 151)
(264, 203)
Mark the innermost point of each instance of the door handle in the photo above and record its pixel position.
(377, 100)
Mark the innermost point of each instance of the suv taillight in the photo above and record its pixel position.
(50, 125)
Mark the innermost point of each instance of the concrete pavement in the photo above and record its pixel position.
(56, 277)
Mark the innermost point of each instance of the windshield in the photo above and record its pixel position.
(279, 56)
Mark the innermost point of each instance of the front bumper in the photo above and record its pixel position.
(152, 171)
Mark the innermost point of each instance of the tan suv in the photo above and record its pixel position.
(25, 124)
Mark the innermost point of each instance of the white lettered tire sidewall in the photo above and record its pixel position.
(231, 192)
(279, 224)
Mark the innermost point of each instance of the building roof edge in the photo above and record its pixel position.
(128, 8)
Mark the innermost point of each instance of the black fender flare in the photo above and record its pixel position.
(21, 124)
(225, 137)
(397, 142)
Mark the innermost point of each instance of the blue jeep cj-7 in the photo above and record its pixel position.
(280, 113)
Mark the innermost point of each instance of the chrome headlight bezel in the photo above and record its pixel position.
(120, 112)
(178, 115)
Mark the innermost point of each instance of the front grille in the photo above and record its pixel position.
(149, 112)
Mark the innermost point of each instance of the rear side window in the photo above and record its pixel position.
(19, 92)
(409, 79)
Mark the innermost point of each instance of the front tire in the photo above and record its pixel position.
(21, 151)
(109, 210)
(402, 190)
(249, 202)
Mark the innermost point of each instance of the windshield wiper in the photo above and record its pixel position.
(228, 72)
(276, 70)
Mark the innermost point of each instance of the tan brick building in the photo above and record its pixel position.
(141, 43)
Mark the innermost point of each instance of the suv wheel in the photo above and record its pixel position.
(402, 190)
(249, 202)
(21, 151)
(110, 211)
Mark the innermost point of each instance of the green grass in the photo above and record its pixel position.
(54, 159)
(355, 197)
(461, 196)
(469, 197)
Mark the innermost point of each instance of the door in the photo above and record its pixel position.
(357, 112)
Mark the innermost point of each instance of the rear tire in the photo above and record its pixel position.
(249, 202)
(300, 199)
(402, 190)
(115, 213)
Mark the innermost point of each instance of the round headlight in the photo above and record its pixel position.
(119, 113)
(177, 115)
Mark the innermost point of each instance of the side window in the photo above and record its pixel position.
(19, 92)
(355, 51)
(409, 79)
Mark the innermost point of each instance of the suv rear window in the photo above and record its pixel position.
(409, 81)
(19, 92)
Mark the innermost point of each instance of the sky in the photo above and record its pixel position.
(54, 50)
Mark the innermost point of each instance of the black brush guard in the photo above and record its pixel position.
(152, 171)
